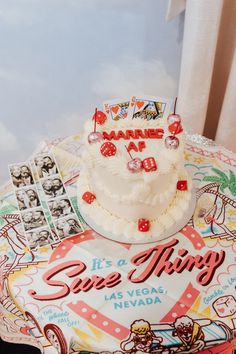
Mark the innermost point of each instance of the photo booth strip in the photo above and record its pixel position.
(21, 175)
(27, 197)
(39, 238)
(33, 218)
(45, 179)
(60, 207)
(51, 182)
(22, 183)
(69, 224)
(43, 171)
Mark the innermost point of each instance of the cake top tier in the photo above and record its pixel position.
(158, 142)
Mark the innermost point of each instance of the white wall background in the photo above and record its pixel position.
(59, 59)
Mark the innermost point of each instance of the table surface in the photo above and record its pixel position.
(88, 293)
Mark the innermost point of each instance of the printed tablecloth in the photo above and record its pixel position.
(91, 294)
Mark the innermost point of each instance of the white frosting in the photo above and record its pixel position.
(121, 190)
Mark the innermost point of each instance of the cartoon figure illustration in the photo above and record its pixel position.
(190, 333)
(3, 260)
(215, 215)
(16, 325)
(225, 306)
(15, 240)
(141, 338)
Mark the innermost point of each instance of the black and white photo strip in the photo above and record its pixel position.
(45, 165)
(59, 204)
(53, 187)
(27, 197)
(33, 218)
(39, 238)
(68, 226)
(28, 202)
(21, 175)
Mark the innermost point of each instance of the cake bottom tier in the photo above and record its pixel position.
(169, 221)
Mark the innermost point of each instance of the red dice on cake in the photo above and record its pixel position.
(149, 164)
(88, 197)
(225, 306)
(182, 185)
(108, 149)
(100, 117)
(143, 225)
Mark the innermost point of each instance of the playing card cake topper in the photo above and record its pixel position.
(149, 108)
(144, 107)
(117, 109)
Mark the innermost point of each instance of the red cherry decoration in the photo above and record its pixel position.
(149, 164)
(175, 128)
(182, 185)
(143, 225)
(135, 165)
(100, 117)
(171, 142)
(108, 149)
(88, 197)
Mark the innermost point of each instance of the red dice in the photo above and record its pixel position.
(175, 128)
(100, 117)
(182, 185)
(143, 225)
(149, 164)
(108, 149)
(88, 197)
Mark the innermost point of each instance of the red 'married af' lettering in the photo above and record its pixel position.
(139, 134)
(109, 136)
(128, 134)
(120, 135)
(158, 260)
(155, 133)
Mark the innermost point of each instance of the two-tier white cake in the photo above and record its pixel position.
(133, 185)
